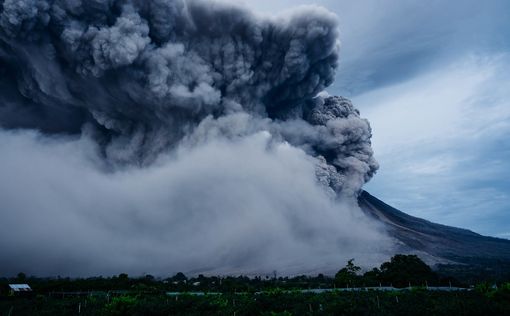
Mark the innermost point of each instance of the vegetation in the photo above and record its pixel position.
(415, 302)
(201, 295)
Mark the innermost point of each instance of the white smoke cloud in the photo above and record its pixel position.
(252, 205)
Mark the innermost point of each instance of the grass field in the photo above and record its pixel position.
(417, 301)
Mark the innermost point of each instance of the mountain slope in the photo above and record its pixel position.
(444, 243)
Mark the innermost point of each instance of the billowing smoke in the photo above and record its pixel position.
(165, 135)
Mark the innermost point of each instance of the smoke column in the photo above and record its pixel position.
(162, 136)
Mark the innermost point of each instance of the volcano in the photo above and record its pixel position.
(438, 244)
(198, 134)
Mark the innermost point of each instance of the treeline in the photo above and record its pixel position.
(400, 271)
(263, 295)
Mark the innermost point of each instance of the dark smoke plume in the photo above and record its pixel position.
(147, 79)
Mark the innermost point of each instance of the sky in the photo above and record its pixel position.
(432, 77)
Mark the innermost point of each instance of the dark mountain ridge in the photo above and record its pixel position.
(438, 244)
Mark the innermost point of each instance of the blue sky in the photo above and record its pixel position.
(433, 78)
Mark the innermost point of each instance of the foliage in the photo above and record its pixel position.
(404, 270)
(119, 306)
(415, 302)
(348, 275)
(261, 295)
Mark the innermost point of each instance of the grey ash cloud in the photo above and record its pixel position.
(142, 73)
(170, 95)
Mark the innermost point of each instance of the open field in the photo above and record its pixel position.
(416, 301)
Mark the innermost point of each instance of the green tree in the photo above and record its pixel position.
(403, 270)
(372, 277)
(21, 277)
(179, 277)
(348, 276)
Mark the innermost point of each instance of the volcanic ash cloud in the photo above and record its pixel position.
(162, 136)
